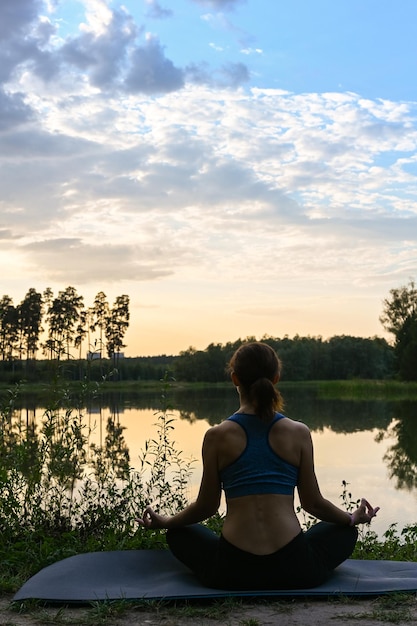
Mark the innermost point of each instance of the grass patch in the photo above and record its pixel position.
(358, 389)
(389, 609)
(366, 390)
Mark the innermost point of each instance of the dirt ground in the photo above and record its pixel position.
(395, 609)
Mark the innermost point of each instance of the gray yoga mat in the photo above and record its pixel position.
(156, 574)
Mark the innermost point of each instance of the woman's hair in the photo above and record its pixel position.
(257, 365)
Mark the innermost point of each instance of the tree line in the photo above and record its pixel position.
(58, 325)
(338, 358)
(69, 324)
(303, 358)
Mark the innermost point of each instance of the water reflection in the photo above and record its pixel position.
(119, 424)
(401, 457)
(212, 405)
(113, 454)
(392, 419)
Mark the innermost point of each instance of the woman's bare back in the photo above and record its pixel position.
(262, 523)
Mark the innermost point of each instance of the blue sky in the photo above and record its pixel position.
(366, 47)
(238, 168)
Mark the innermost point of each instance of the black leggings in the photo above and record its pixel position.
(307, 561)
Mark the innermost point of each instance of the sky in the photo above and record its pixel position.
(237, 167)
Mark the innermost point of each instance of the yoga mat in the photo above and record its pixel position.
(156, 574)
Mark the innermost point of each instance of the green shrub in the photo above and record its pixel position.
(60, 495)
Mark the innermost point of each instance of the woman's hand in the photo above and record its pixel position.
(364, 513)
(152, 520)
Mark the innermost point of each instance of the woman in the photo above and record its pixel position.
(258, 456)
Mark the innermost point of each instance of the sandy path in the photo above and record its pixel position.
(337, 612)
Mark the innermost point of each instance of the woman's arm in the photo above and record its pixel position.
(311, 498)
(208, 499)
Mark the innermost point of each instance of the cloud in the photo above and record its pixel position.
(156, 11)
(216, 47)
(32, 143)
(128, 164)
(249, 51)
(22, 34)
(237, 156)
(219, 5)
(110, 52)
(219, 21)
(13, 111)
(151, 72)
(40, 165)
(230, 75)
(6, 235)
(65, 259)
(233, 75)
(16, 16)
(102, 55)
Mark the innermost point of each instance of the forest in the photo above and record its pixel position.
(303, 358)
(67, 324)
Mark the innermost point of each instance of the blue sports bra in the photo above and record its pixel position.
(258, 470)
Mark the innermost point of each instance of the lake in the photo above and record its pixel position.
(372, 444)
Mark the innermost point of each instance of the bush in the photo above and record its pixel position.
(60, 495)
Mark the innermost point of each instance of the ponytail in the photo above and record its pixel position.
(257, 366)
(265, 399)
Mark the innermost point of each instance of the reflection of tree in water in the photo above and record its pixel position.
(344, 416)
(214, 404)
(59, 444)
(401, 457)
(114, 454)
(340, 416)
(20, 446)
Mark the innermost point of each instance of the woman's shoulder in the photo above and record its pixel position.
(222, 428)
(223, 434)
(219, 430)
(293, 425)
(222, 439)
